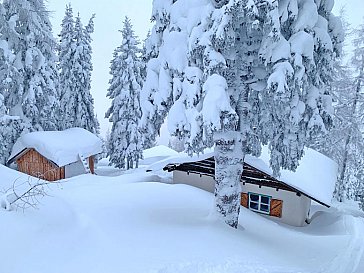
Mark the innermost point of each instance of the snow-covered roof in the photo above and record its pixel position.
(315, 176)
(61, 147)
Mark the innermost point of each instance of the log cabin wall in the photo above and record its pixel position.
(34, 164)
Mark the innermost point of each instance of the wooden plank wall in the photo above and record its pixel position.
(34, 164)
(91, 162)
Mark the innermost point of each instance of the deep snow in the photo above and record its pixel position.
(133, 223)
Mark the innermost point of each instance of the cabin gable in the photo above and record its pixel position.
(33, 163)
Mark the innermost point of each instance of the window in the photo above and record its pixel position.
(259, 203)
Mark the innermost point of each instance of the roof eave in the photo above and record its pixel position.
(17, 156)
(23, 152)
(171, 167)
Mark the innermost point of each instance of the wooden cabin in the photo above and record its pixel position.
(286, 198)
(56, 155)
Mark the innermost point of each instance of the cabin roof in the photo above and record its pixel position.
(315, 177)
(60, 147)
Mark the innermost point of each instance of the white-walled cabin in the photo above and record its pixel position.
(286, 199)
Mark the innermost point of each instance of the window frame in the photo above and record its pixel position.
(259, 202)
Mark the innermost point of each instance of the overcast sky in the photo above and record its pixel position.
(109, 17)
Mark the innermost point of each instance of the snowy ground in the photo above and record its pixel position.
(133, 223)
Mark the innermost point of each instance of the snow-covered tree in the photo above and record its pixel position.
(345, 142)
(125, 144)
(145, 57)
(28, 77)
(176, 144)
(9, 74)
(239, 73)
(67, 79)
(32, 83)
(354, 140)
(10, 129)
(77, 104)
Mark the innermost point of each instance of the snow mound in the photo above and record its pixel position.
(9, 176)
(156, 154)
(159, 150)
(61, 147)
(11, 181)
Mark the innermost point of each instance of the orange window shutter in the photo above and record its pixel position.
(276, 208)
(244, 199)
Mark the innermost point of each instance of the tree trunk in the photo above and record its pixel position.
(228, 170)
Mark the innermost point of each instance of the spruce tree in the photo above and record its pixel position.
(9, 74)
(144, 57)
(28, 76)
(33, 94)
(77, 104)
(125, 143)
(67, 79)
(239, 74)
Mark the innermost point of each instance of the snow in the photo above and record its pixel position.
(61, 147)
(159, 150)
(281, 70)
(307, 16)
(156, 154)
(130, 223)
(8, 176)
(302, 45)
(159, 165)
(5, 49)
(321, 34)
(216, 100)
(315, 176)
